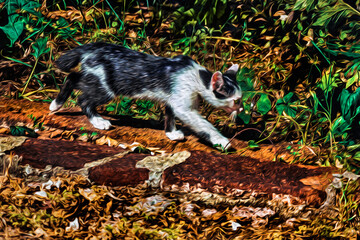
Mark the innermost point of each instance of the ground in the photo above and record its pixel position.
(248, 192)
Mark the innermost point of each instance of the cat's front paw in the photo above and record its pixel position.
(54, 106)
(100, 123)
(221, 143)
(175, 135)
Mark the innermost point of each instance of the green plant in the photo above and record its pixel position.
(37, 122)
(39, 48)
(22, 131)
(122, 107)
(245, 78)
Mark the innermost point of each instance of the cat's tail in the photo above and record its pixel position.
(69, 60)
(73, 57)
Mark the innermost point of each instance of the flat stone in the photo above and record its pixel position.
(120, 172)
(71, 155)
(231, 172)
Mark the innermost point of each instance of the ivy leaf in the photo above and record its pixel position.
(328, 80)
(40, 47)
(13, 29)
(23, 5)
(350, 104)
(263, 104)
(245, 114)
(22, 131)
(245, 78)
(111, 107)
(286, 105)
(339, 129)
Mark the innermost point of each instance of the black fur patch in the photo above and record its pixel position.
(169, 119)
(204, 136)
(205, 76)
(228, 88)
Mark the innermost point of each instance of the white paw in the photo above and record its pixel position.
(100, 123)
(223, 142)
(175, 135)
(54, 106)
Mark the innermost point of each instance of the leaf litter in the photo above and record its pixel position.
(49, 204)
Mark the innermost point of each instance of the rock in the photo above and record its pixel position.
(120, 172)
(236, 172)
(69, 154)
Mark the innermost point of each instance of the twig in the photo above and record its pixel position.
(246, 129)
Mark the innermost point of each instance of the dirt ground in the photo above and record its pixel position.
(136, 152)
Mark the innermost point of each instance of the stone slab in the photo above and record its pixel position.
(230, 172)
(71, 155)
(120, 172)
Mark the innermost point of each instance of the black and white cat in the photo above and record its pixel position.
(109, 70)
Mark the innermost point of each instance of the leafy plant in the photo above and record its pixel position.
(245, 78)
(287, 105)
(350, 104)
(123, 107)
(39, 48)
(22, 131)
(16, 21)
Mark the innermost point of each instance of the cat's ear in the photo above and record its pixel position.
(217, 80)
(234, 68)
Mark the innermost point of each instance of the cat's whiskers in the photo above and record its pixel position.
(233, 116)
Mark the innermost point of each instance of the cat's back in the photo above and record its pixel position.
(107, 50)
(103, 50)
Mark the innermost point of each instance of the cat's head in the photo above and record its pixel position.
(227, 91)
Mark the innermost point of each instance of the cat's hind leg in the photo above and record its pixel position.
(88, 106)
(65, 91)
(170, 127)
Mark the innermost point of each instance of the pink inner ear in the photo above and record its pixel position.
(217, 80)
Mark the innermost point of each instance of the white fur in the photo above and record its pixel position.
(184, 95)
(234, 68)
(54, 106)
(156, 95)
(220, 140)
(175, 135)
(100, 123)
(99, 72)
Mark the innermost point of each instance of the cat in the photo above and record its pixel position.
(108, 70)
